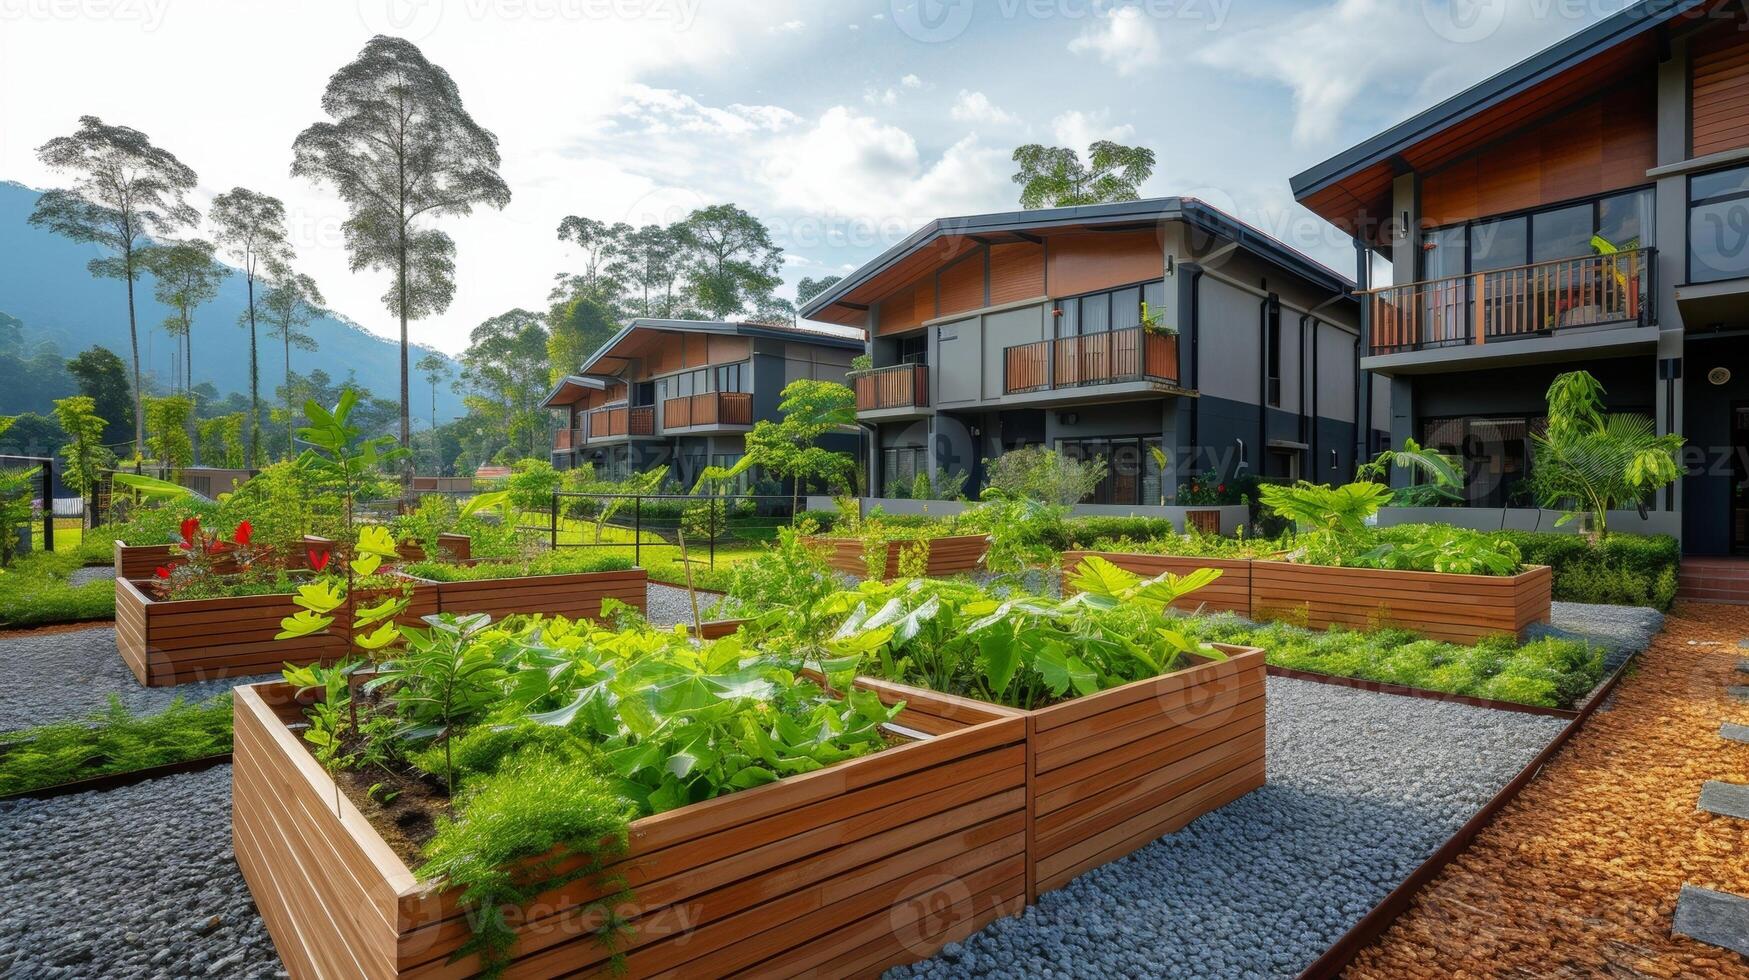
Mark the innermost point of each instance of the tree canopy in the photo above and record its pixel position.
(1054, 176)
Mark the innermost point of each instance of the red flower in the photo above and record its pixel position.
(319, 559)
(162, 572)
(242, 534)
(1221, 489)
(190, 528)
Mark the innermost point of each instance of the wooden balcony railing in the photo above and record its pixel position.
(1520, 301)
(1129, 354)
(620, 421)
(898, 386)
(566, 440)
(710, 408)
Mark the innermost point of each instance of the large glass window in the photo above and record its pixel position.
(1563, 233)
(1132, 476)
(1718, 225)
(1112, 309)
(1570, 231)
(1498, 244)
(1096, 313)
(732, 377)
(900, 466)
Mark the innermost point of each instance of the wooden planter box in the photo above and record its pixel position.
(716, 629)
(953, 555)
(177, 642)
(1440, 605)
(1229, 593)
(1111, 772)
(844, 871)
(574, 596)
(142, 561)
(1460, 608)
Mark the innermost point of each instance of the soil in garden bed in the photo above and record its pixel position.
(408, 820)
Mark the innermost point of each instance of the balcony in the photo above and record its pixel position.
(1527, 301)
(569, 440)
(621, 422)
(900, 386)
(713, 409)
(1132, 354)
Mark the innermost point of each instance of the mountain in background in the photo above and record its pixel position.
(44, 282)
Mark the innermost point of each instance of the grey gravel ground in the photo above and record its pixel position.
(95, 573)
(1622, 630)
(1362, 788)
(668, 605)
(65, 676)
(135, 882)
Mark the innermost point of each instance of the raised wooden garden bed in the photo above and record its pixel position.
(1110, 772)
(1229, 593)
(1440, 605)
(1204, 521)
(844, 871)
(953, 555)
(186, 640)
(1461, 608)
(575, 595)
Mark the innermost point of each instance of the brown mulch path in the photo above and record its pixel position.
(1578, 876)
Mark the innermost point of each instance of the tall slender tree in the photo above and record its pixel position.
(401, 147)
(1055, 177)
(251, 227)
(648, 260)
(435, 368)
(184, 276)
(290, 303)
(125, 190)
(602, 245)
(733, 262)
(505, 362)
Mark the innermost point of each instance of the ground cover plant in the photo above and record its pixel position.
(1551, 673)
(1010, 648)
(113, 741)
(504, 759)
(561, 561)
(38, 590)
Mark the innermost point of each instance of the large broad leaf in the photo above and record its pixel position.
(152, 488)
(484, 501)
(384, 635)
(319, 597)
(1000, 655)
(1063, 672)
(304, 623)
(912, 623)
(1099, 577)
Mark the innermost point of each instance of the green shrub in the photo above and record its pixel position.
(1083, 531)
(113, 741)
(37, 590)
(563, 561)
(1625, 569)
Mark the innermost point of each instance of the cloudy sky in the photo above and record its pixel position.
(843, 125)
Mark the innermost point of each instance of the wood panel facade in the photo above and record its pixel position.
(840, 872)
(1604, 144)
(1719, 90)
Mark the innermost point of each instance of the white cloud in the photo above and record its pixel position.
(1124, 38)
(1420, 52)
(787, 27)
(911, 81)
(976, 107)
(1076, 129)
(666, 110)
(882, 97)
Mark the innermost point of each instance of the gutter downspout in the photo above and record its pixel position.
(1195, 329)
(1263, 312)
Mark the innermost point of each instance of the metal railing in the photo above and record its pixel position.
(897, 386)
(1520, 301)
(708, 408)
(1109, 357)
(655, 523)
(566, 440)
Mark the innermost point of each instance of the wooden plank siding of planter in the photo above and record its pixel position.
(951, 555)
(574, 596)
(844, 871)
(1460, 608)
(1229, 593)
(1440, 605)
(186, 640)
(1113, 771)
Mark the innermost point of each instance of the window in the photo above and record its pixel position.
(1112, 309)
(1498, 244)
(731, 377)
(1562, 233)
(1718, 225)
(914, 349)
(1132, 475)
(1624, 221)
(900, 466)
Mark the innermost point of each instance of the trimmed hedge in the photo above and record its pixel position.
(1625, 570)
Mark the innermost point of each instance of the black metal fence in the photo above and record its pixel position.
(655, 525)
(38, 494)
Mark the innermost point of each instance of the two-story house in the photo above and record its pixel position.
(1586, 208)
(1107, 331)
(684, 393)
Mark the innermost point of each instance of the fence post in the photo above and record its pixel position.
(713, 527)
(638, 530)
(49, 505)
(553, 523)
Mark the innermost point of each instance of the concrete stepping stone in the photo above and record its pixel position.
(1725, 799)
(1738, 691)
(1715, 918)
(1732, 732)
(1743, 666)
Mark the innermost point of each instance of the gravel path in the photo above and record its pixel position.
(95, 573)
(66, 676)
(1362, 788)
(1622, 630)
(669, 604)
(135, 882)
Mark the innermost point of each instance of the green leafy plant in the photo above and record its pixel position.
(1589, 462)
(1041, 474)
(1444, 482)
(443, 676)
(113, 741)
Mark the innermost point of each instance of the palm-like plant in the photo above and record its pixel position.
(1444, 480)
(1590, 462)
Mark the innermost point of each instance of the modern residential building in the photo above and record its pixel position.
(1104, 331)
(684, 393)
(1586, 208)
